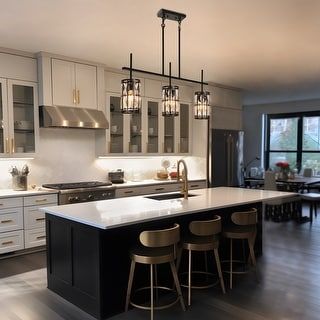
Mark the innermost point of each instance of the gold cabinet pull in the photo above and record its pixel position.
(179, 150)
(126, 192)
(40, 237)
(109, 146)
(74, 96)
(12, 146)
(41, 200)
(7, 145)
(6, 221)
(7, 242)
(40, 219)
(78, 96)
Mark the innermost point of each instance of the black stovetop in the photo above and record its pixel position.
(76, 185)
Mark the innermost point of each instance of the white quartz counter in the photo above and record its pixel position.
(114, 213)
(8, 193)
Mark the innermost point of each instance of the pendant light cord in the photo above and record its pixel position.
(170, 74)
(201, 80)
(130, 66)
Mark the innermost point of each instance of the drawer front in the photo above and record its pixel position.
(33, 217)
(35, 238)
(11, 241)
(10, 203)
(197, 184)
(40, 200)
(11, 219)
(162, 188)
(127, 192)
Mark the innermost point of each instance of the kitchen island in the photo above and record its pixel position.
(88, 244)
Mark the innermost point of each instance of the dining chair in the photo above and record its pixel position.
(280, 209)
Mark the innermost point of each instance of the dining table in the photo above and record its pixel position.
(296, 184)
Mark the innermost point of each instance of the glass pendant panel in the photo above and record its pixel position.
(130, 95)
(201, 105)
(170, 101)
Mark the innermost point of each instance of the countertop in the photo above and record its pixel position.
(7, 193)
(114, 213)
(149, 182)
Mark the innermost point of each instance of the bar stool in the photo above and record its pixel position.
(158, 246)
(244, 227)
(204, 236)
(312, 199)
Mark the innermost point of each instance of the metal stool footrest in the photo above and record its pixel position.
(244, 264)
(165, 306)
(201, 286)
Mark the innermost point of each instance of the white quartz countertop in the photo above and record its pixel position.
(115, 213)
(7, 193)
(127, 184)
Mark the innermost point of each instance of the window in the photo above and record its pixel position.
(294, 138)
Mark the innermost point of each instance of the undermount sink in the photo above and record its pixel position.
(168, 196)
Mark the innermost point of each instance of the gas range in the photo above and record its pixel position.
(76, 192)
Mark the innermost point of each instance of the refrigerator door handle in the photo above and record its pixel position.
(232, 159)
(229, 159)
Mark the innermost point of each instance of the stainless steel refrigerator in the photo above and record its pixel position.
(225, 158)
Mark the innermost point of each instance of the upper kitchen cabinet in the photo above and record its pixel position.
(70, 83)
(226, 112)
(18, 105)
(18, 111)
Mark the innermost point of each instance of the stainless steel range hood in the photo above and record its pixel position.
(69, 117)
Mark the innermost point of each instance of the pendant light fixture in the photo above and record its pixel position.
(170, 98)
(201, 102)
(130, 93)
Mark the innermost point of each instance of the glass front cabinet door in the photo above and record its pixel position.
(19, 118)
(116, 127)
(152, 144)
(184, 130)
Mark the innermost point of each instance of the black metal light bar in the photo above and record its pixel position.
(164, 75)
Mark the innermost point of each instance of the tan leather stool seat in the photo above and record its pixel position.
(152, 255)
(239, 232)
(204, 243)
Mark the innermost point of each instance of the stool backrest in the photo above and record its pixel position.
(245, 218)
(270, 181)
(307, 172)
(207, 227)
(160, 238)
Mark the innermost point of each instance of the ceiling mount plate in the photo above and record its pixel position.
(170, 15)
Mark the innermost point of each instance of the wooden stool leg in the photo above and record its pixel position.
(189, 280)
(176, 281)
(130, 285)
(216, 255)
(230, 263)
(151, 290)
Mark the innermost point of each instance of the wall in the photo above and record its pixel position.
(252, 123)
(68, 155)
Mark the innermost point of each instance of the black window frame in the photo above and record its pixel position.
(299, 151)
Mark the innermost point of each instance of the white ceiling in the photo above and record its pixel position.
(270, 48)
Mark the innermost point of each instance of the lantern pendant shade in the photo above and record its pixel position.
(170, 98)
(202, 102)
(130, 93)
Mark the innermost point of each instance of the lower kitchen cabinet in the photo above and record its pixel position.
(34, 219)
(22, 225)
(11, 241)
(138, 190)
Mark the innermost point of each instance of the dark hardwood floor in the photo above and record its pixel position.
(289, 286)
